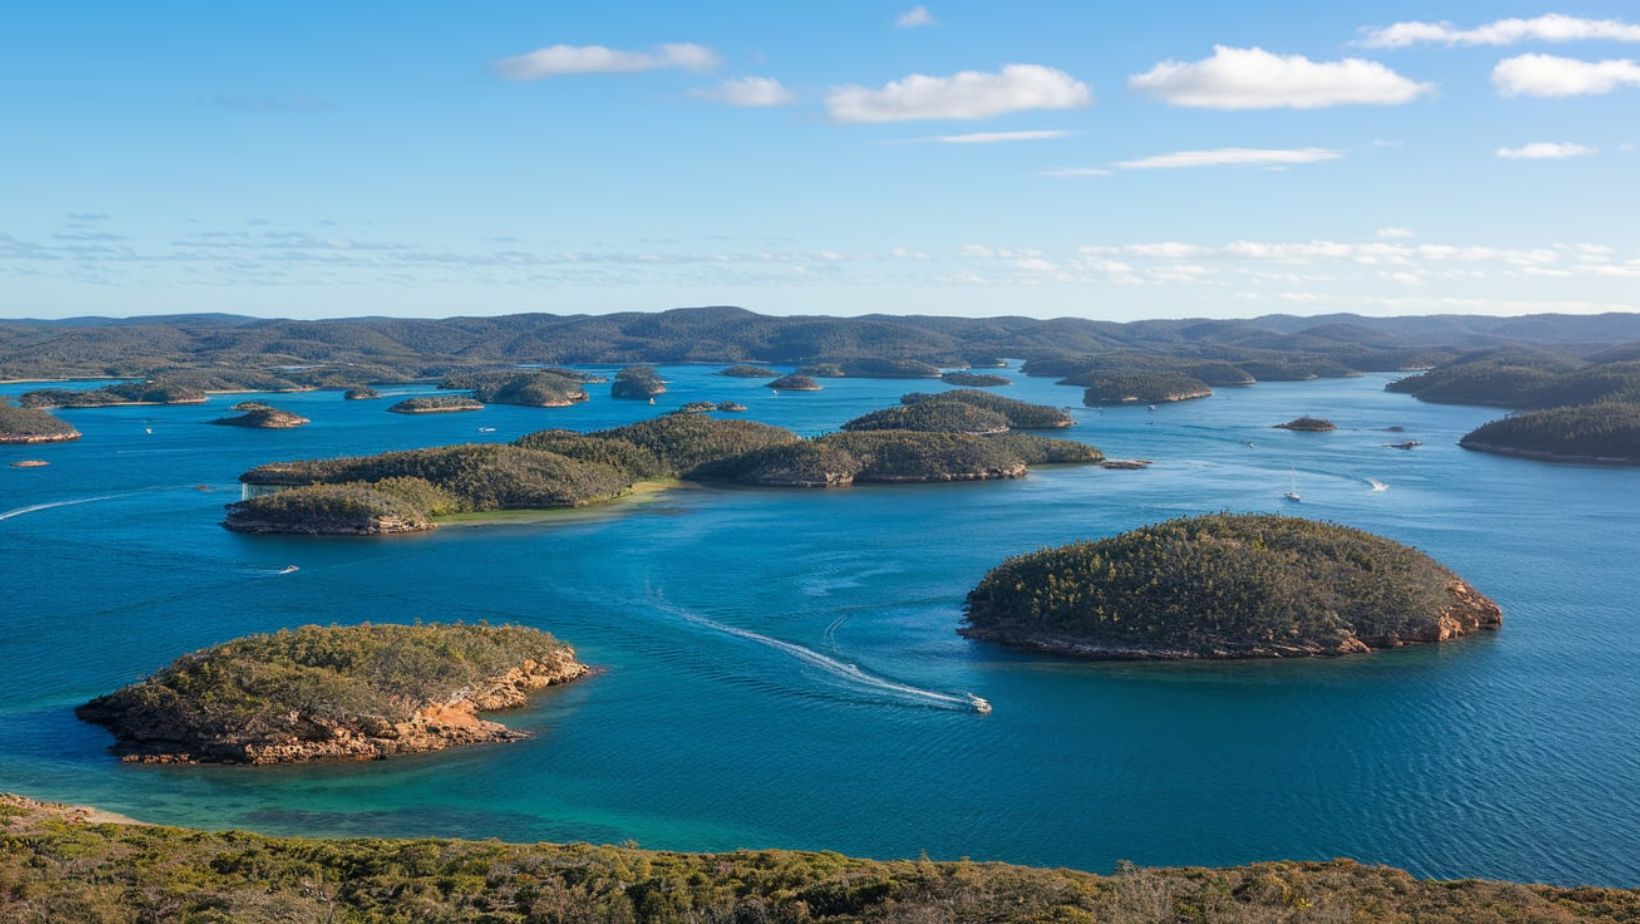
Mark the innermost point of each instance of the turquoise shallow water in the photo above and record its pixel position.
(779, 665)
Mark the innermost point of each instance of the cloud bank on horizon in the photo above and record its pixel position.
(1045, 160)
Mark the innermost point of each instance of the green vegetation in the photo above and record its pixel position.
(529, 389)
(795, 383)
(298, 694)
(696, 407)
(1225, 586)
(932, 416)
(750, 372)
(822, 370)
(1040, 450)
(110, 395)
(1142, 388)
(350, 509)
(881, 368)
(1308, 424)
(637, 382)
(975, 380)
(436, 404)
(903, 455)
(1021, 415)
(623, 455)
(683, 442)
(1526, 381)
(733, 407)
(360, 393)
(481, 476)
(56, 867)
(32, 425)
(1608, 432)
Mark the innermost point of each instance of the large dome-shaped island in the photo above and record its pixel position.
(1225, 586)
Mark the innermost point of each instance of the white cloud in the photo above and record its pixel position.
(1396, 233)
(995, 137)
(1252, 78)
(915, 17)
(1551, 75)
(964, 95)
(559, 60)
(1231, 157)
(1546, 150)
(1553, 27)
(748, 91)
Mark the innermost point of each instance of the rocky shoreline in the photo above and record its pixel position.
(1469, 611)
(1543, 456)
(147, 734)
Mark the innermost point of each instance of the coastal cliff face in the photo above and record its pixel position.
(152, 724)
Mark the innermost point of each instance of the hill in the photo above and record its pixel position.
(1602, 433)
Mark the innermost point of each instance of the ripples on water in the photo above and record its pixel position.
(781, 667)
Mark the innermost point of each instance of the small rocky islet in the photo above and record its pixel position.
(255, 415)
(333, 693)
(1225, 586)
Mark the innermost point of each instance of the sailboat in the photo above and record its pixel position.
(1293, 494)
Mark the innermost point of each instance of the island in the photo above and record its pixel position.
(749, 372)
(696, 407)
(732, 407)
(821, 370)
(123, 393)
(27, 426)
(1143, 388)
(894, 457)
(876, 367)
(1307, 424)
(30, 463)
(933, 417)
(1020, 415)
(637, 382)
(794, 383)
(975, 380)
(437, 404)
(361, 393)
(1225, 586)
(338, 692)
(1607, 434)
(257, 416)
(538, 388)
(109, 867)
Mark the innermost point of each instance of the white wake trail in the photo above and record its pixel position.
(850, 673)
(33, 508)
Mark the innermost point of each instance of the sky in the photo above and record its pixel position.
(1101, 160)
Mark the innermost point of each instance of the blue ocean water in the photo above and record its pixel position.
(781, 668)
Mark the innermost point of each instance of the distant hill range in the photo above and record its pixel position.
(383, 349)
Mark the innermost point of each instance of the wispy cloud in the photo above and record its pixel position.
(1546, 150)
(1551, 75)
(1076, 172)
(914, 18)
(964, 95)
(752, 92)
(561, 60)
(1252, 78)
(1232, 157)
(254, 103)
(1553, 27)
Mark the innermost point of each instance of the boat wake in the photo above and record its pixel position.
(35, 508)
(849, 674)
(1377, 485)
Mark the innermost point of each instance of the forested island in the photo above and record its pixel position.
(1020, 415)
(408, 491)
(70, 863)
(744, 371)
(1308, 424)
(257, 416)
(437, 404)
(933, 417)
(1225, 586)
(794, 383)
(637, 382)
(975, 379)
(29, 425)
(361, 393)
(123, 393)
(1606, 433)
(1142, 388)
(527, 389)
(350, 692)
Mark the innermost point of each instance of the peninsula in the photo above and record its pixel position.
(350, 692)
(1606, 434)
(1225, 586)
(26, 426)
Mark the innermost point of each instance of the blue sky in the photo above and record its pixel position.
(1163, 159)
